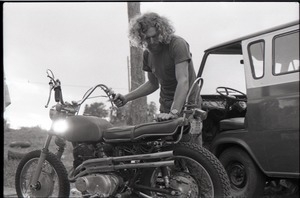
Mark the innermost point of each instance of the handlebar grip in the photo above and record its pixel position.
(57, 94)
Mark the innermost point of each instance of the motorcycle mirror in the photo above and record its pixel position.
(50, 74)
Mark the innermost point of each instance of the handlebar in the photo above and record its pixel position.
(58, 96)
(108, 92)
(57, 92)
(56, 86)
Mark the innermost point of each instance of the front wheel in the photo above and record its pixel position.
(53, 180)
(196, 173)
(245, 177)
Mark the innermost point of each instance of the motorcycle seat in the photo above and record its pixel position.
(152, 129)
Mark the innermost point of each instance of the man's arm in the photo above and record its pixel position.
(145, 89)
(182, 76)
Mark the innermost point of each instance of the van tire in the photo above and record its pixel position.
(250, 181)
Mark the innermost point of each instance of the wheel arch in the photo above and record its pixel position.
(224, 143)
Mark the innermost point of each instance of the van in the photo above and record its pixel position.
(251, 95)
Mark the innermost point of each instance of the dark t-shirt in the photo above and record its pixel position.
(162, 65)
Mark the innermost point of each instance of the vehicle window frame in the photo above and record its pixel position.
(253, 71)
(273, 53)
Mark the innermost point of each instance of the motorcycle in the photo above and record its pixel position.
(149, 160)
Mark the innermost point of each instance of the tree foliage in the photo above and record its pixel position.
(120, 115)
(151, 111)
(117, 116)
(96, 109)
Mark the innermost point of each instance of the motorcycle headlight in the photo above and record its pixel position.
(60, 126)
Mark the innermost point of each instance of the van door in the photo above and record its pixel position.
(272, 76)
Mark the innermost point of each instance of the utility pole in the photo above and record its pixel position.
(138, 107)
(129, 74)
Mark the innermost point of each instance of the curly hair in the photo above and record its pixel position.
(139, 25)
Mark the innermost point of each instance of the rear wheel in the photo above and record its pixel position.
(196, 173)
(53, 181)
(245, 178)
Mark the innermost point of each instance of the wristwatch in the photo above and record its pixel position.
(174, 112)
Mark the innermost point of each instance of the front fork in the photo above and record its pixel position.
(44, 152)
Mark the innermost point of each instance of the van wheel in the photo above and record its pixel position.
(246, 180)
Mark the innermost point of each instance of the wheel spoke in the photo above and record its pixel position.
(47, 180)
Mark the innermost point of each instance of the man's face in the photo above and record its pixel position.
(152, 40)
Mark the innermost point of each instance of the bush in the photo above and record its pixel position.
(9, 171)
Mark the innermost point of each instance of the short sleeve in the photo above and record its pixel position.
(180, 50)
(146, 66)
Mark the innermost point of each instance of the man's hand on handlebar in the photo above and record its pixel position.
(120, 100)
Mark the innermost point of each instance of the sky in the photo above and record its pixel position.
(86, 43)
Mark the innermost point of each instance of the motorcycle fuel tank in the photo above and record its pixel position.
(85, 128)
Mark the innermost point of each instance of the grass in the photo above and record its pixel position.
(36, 136)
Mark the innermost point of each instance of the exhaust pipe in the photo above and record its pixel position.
(112, 160)
(109, 168)
(73, 175)
(107, 164)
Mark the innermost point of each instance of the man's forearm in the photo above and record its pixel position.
(181, 72)
(143, 90)
(180, 96)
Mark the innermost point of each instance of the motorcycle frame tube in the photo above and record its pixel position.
(161, 190)
(42, 158)
(186, 105)
(144, 195)
(180, 135)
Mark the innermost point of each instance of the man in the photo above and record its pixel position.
(168, 62)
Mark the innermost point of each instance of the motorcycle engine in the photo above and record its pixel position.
(101, 185)
(82, 152)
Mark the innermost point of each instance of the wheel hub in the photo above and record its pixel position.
(45, 186)
(237, 175)
(185, 184)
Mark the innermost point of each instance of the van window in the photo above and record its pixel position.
(257, 58)
(223, 71)
(286, 53)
